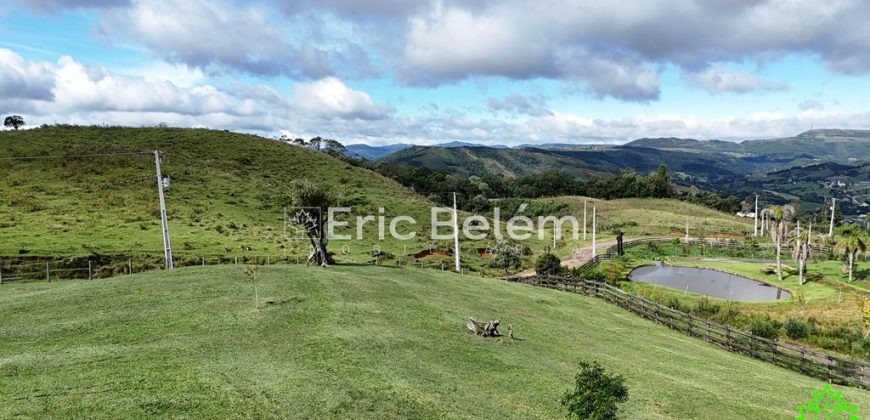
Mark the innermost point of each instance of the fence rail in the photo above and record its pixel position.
(805, 360)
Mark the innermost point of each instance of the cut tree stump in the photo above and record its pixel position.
(487, 329)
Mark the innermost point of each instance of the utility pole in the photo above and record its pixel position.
(284, 238)
(833, 210)
(593, 231)
(810, 234)
(456, 235)
(167, 249)
(687, 230)
(584, 220)
(755, 232)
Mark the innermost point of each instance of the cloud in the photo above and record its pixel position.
(721, 80)
(603, 50)
(519, 104)
(215, 36)
(330, 98)
(70, 91)
(20, 79)
(59, 5)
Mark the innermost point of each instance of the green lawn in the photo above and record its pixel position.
(352, 342)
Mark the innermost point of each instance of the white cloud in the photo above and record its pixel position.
(215, 36)
(717, 79)
(330, 98)
(20, 79)
(77, 93)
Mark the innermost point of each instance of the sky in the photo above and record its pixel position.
(423, 72)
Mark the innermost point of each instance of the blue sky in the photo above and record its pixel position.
(389, 71)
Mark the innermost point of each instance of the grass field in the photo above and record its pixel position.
(224, 200)
(352, 342)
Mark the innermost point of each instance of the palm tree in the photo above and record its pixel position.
(851, 244)
(778, 227)
(801, 253)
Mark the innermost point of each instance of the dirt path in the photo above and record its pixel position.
(583, 255)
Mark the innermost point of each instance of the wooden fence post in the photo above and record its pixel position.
(89, 270)
(47, 272)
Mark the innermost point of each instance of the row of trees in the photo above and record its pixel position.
(849, 240)
(474, 192)
(328, 146)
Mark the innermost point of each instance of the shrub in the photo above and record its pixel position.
(596, 393)
(614, 272)
(796, 329)
(548, 265)
(675, 303)
(593, 274)
(706, 307)
(764, 328)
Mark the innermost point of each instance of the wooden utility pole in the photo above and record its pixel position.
(584, 220)
(284, 238)
(593, 231)
(456, 235)
(687, 230)
(167, 249)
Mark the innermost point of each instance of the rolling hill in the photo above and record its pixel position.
(702, 169)
(225, 194)
(353, 342)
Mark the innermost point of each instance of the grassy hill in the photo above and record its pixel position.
(352, 342)
(224, 196)
(222, 199)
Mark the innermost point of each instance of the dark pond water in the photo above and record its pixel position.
(707, 282)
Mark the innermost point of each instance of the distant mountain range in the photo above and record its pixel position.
(811, 160)
(376, 152)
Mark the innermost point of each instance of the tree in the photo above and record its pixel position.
(778, 217)
(299, 142)
(596, 394)
(310, 204)
(334, 148)
(660, 183)
(506, 256)
(315, 143)
(14, 121)
(548, 265)
(801, 253)
(851, 244)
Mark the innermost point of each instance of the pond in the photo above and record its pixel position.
(707, 282)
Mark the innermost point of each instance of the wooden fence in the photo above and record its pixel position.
(805, 360)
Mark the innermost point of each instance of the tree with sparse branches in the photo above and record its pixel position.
(779, 217)
(13, 121)
(315, 143)
(506, 256)
(310, 204)
(802, 251)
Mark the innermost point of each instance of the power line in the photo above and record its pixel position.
(74, 156)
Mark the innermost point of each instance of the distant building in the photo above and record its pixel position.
(749, 214)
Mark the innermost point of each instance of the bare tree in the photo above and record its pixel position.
(311, 203)
(801, 253)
